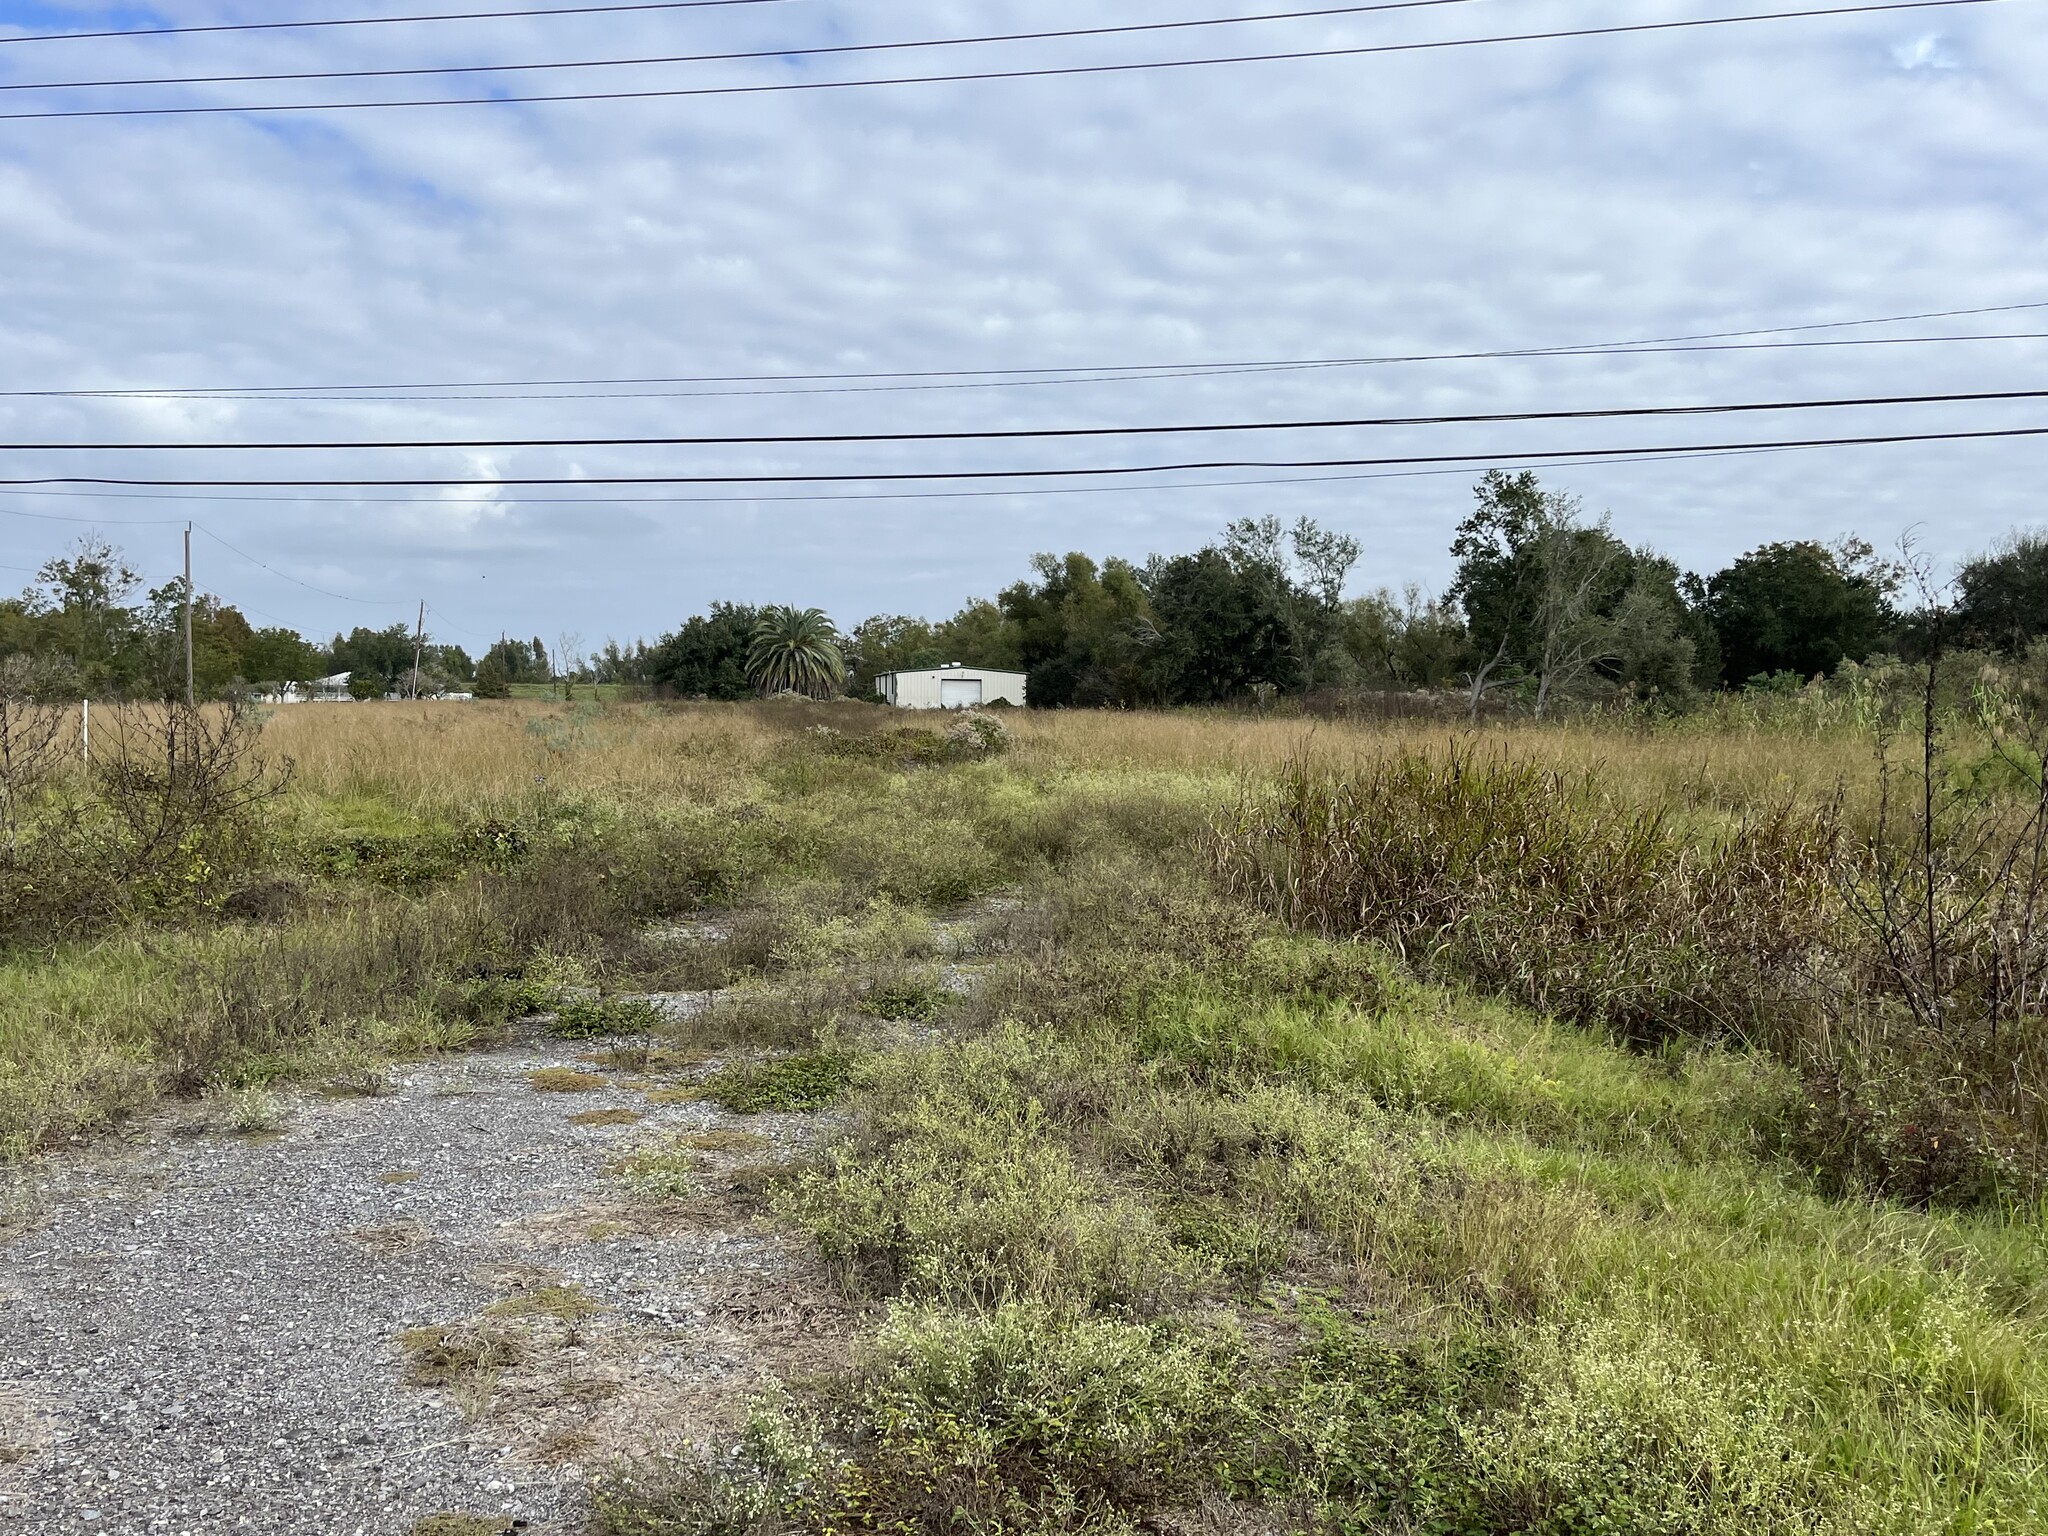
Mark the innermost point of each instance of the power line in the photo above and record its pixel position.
(979, 76)
(1013, 434)
(824, 51)
(1196, 372)
(826, 496)
(874, 477)
(385, 21)
(1103, 372)
(280, 575)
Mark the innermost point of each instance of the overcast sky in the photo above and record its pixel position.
(1527, 195)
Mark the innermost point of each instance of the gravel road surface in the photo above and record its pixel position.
(200, 1329)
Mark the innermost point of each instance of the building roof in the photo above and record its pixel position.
(952, 666)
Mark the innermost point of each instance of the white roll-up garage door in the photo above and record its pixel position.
(959, 692)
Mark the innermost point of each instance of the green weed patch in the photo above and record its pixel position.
(786, 1083)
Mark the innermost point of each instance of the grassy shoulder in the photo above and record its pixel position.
(1161, 1199)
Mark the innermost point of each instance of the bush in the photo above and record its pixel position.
(590, 1018)
(1028, 1419)
(787, 1083)
(1022, 1420)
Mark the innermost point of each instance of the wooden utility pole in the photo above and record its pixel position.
(191, 699)
(419, 639)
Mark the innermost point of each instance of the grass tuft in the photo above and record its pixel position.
(565, 1080)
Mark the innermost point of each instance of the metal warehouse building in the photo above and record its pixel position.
(952, 686)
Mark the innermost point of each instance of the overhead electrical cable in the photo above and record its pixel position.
(823, 51)
(1191, 372)
(981, 76)
(367, 602)
(1013, 434)
(386, 21)
(1109, 371)
(898, 476)
(825, 496)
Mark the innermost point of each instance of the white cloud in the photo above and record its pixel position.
(1572, 191)
(1930, 51)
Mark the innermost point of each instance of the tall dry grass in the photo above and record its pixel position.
(433, 757)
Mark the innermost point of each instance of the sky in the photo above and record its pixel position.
(1525, 195)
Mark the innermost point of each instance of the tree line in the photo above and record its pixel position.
(1547, 606)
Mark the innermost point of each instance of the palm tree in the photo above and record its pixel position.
(796, 650)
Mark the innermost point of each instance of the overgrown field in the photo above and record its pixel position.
(1252, 1124)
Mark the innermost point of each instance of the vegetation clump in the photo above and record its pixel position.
(451, 1355)
(565, 1080)
(785, 1083)
(595, 1018)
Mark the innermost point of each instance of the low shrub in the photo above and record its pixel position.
(1025, 1418)
(591, 1018)
(906, 996)
(783, 1083)
(1022, 1419)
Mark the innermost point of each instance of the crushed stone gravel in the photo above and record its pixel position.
(200, 1329)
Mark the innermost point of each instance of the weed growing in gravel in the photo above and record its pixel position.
(786, 1083)
(565, 1080)
(683, 1095)
(564, 1303)
(912, 995)
(643, 1058)
(450, 1523)
(253, 1111)
(595, 1018)
(661, 1169)
(449, 1356)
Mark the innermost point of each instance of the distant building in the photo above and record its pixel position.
(953, 686)
(330, 690)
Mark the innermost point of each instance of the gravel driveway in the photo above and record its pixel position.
(201, 1331)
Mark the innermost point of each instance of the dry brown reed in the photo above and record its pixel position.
(434, 756)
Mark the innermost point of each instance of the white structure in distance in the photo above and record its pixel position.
(953, 686)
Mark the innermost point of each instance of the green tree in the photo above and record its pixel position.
(492, 680)
(382, 653)
(1413, 641)
(891, 642)
(1500, 548)
(221, 638)
(1800, 607)
(86, 624)
(1559, 604)
(707, 657)
(2002, 595)
(980, 636)
(279, 655)
(795, 650)
(1084, 634)
(1225, 625)
(1307, 565)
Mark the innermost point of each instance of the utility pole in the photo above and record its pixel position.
(191, 701)
(419, 639)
